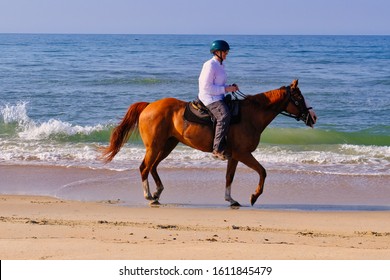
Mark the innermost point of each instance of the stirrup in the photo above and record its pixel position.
(221, 155)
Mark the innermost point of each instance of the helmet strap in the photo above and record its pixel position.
(219, 55)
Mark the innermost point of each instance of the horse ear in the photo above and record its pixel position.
(294, 84)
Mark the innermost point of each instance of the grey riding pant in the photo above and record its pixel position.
(221, 113)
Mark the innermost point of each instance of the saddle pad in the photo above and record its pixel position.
(192, 113)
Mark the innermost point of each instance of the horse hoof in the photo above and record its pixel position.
(154, 203)
(235, 204)
(253, 199)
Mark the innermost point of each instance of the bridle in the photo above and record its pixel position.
(296, 98)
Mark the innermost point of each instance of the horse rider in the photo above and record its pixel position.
(212, 89)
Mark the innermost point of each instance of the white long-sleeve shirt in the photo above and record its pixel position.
(212, 82)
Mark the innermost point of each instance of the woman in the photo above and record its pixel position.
(212, 89)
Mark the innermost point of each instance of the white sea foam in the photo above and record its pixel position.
(51, 143)
(28, 129)
(15, 113)
(131, 156)
(55, 127)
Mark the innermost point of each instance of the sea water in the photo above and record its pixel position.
(61, 95)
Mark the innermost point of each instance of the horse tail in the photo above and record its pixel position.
(123, 131)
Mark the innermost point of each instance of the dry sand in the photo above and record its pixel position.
(37, 227)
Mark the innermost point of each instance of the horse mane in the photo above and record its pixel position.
(259, 99)
(266, 99)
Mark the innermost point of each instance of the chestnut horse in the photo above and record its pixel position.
(162, 126)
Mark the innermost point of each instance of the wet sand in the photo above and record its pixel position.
(190, 187)
(48, 228)
(71, 213)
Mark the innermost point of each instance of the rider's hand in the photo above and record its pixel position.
(231, 88)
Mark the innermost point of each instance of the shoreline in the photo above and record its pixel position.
(38, 227)
(201, 188)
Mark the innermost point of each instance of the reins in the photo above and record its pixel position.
(239, 93)
(243, 95)
(289, 115)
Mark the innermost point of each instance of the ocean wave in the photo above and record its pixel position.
(15, 121)
(378, 136)
(55, 129)
(14, 113)
(337, 159)
(56, 142)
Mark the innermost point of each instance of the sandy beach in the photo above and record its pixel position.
(37, 227)
(73, 213)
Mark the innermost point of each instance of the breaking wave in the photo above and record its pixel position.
(55, 142)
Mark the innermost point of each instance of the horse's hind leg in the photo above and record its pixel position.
(144, 169)
(146, 166)
(169, 146)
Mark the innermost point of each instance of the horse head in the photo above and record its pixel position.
(297, 107)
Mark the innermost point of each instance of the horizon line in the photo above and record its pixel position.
(184, 34)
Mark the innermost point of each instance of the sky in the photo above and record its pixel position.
(258, 17)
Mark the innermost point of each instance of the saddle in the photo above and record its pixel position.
(197, 112)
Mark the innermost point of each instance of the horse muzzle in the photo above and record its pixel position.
(310, 118)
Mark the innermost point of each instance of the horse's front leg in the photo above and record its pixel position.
(145, 186)
(148, 196)
(159, 185)
(251, 162)
(231, 170)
